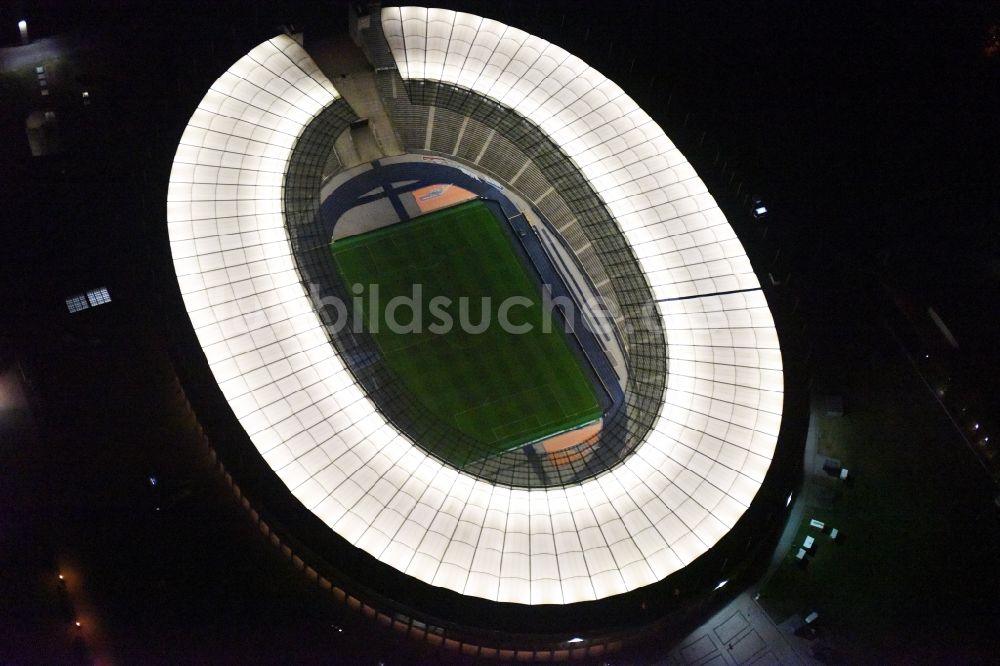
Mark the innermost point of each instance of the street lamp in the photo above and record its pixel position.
(22, 26)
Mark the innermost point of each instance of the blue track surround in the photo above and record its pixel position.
(358, 191)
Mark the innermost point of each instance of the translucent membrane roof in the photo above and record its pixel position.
(684, 487)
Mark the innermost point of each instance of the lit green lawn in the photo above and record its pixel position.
(503, 389)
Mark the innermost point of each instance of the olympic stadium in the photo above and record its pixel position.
(348, 332)
(545, 496)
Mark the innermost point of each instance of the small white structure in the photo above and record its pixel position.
(818, 524)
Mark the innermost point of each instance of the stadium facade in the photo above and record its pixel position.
(513, 555)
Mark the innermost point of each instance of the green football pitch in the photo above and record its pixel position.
(502, 389)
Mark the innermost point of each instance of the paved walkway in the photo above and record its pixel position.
(741, 633)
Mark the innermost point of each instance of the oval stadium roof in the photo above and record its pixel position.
(682, 489)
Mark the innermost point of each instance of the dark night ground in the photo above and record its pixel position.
(870, 130)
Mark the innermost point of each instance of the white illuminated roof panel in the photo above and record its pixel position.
(677, 495)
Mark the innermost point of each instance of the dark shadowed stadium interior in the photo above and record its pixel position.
(853, 150)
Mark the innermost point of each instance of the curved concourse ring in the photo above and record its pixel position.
(682, 489)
